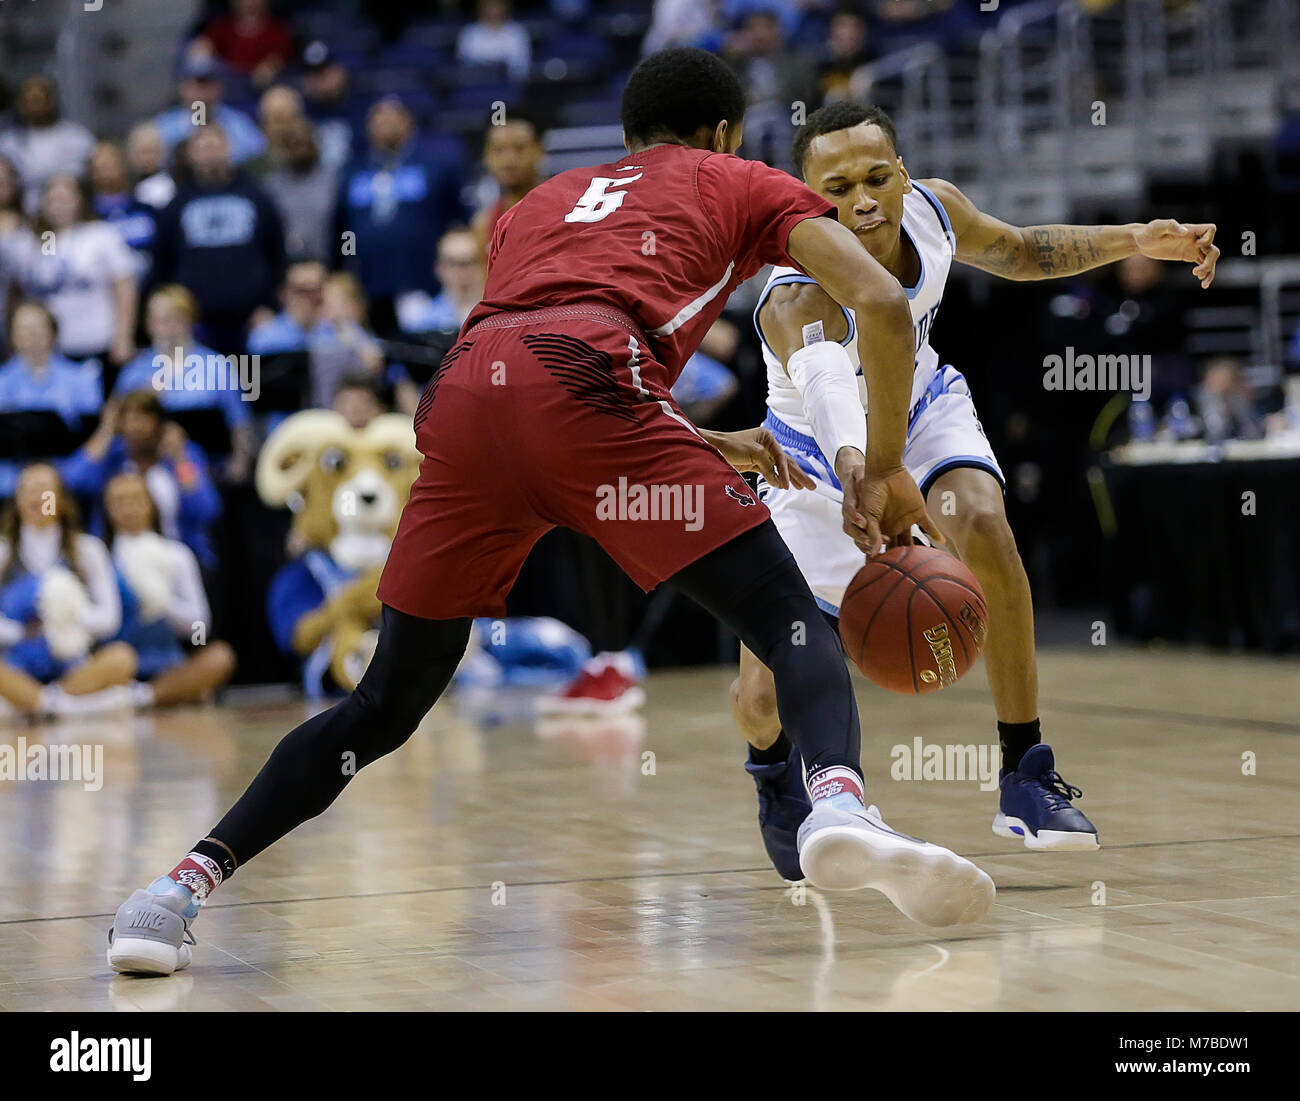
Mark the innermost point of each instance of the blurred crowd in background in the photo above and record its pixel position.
(323, 201)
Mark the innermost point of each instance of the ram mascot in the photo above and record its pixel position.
(346, 488)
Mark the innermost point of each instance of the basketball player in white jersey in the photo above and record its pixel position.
(816, 398)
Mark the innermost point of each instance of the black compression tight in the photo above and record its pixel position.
(751, 584)
(413, 664)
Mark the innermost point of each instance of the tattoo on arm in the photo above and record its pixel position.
(1005, 256)
(1064, 250)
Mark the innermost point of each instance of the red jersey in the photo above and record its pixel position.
(664, 235)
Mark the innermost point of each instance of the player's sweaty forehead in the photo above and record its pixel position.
(851, 155)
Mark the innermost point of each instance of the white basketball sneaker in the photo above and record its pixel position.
(844, 850)
(151, 934)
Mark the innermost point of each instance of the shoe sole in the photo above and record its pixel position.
(630, 700)
(137, 956)
(929, 884)
(1057, 841)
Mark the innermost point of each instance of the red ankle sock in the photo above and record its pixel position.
(199, 873)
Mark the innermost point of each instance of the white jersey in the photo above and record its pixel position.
(926, 225)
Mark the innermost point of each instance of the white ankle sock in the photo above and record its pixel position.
(840, 785)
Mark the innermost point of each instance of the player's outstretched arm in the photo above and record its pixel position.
(880, 497)
(1051, 252)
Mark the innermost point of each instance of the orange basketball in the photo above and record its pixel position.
(914, 619)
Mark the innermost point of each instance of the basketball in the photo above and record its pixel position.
(914, 619)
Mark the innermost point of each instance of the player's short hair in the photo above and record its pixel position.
(674, 92)
(840, 116)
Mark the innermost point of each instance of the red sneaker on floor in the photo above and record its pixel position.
(605, 686)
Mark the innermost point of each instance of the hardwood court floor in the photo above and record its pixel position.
(495, 869)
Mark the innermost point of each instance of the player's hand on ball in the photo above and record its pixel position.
(880, 507)
(756, 449)
(1166, 239)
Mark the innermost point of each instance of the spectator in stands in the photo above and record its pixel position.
(11, 197)
(165, 607)
(774, 77)
(496, 39)
(170, 316)
(87, 279)
(1142, 311)
(1226, 404)
(250, 40)
(394, 205)
(706, 383)
(221, 237)
(357, 400)
(12, 224)
(278, 110)
(134, 434)
(512, 155)
(680, 23)
(114, 202)
(327, 102)
(304, 189)
(903, 23)
(146, 155)
(42, 144)
(462, 273)
(845, 56)
(37, 379)
(200, 90)
(345, 347)
(302, 296)
(59, 602)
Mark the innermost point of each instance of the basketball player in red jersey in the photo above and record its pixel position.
(512, 154)
(554, 409)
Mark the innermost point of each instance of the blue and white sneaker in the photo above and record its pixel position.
(1035, 805)
(783, 804)
(151, 934)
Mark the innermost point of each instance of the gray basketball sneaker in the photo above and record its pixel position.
(842, 850)
(151, 932)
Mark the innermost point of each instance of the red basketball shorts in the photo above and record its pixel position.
(555, 417)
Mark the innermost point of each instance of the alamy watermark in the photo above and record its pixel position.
(920, 761)
(38, 762)
(194, 372)
(633, 501)
(1080, 371)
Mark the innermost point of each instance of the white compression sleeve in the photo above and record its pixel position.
(824, 376)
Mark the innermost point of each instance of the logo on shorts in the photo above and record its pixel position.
(744, 498)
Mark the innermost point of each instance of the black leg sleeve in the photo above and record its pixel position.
(413, 664)
(754, 587)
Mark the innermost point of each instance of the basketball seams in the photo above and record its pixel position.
(911, 640)
(913, 562)
(866, 630)
(956, 630)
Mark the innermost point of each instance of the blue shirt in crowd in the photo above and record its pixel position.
(283, 334)
(139, 375)
(246, 140)
(199, 503)
(399, 206)
(71, 390)
(137, 222)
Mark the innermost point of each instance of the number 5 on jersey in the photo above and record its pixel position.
(598, 201)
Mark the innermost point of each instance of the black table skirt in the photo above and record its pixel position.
(1187, 564)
